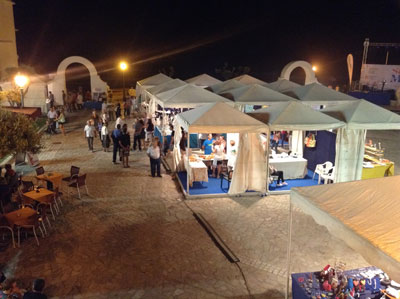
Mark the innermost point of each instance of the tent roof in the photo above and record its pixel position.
(188, 96)
(225, 86)
(203, 80)
(170, 84)
(294, 115)
(316, 92)
(368, 209)
(362, 114)
(282, 85)
(255, 94)
(154, 80)
(247, 79)
(219, 118)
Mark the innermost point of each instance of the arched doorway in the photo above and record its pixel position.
(298, 75)
(291, 66)
(58, 84)
(77, 78)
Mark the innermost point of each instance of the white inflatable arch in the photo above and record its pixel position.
(288, 69)
(58, 84)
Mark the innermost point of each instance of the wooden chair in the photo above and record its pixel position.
(39, 170)
(74, 172)
(79, 182)
(31, 224)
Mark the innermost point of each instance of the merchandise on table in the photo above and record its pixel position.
(374, 164)
(333, 283)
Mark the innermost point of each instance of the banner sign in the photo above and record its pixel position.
(373, 75)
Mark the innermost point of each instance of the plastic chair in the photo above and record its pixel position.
(74, 173)
(226, 173)
(329, 176)
(322, 169)
(33, 223)
(80, 182)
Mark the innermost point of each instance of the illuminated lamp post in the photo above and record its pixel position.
(123, 67)
(21, 81)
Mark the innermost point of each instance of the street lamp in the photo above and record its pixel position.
(21, 81)
(123, 67)
(314, 68)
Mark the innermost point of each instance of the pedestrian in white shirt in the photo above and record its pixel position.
(119, 121)
(154, 153)
(105, 138)
(52, 115)
(89, 134)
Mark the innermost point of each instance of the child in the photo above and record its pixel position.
(154, 153)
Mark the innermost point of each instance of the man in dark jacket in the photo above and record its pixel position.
(116, 135)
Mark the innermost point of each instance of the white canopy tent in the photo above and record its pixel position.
(225, 86)
(364, 214)
(296, 117)
(255, 94)
(153, 91)
(318, 94)
(149, 82)
(250, 167)
(359, 116)
(282, 85)
(203, 80)
(187, 96)
(247, 79)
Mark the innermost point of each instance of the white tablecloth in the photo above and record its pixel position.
(198, 172)
(293, 168)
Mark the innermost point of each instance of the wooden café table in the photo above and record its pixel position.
(43, 196)
(54, 177)
(20, 216)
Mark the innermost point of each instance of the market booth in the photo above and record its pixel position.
(248, 96)
(184, 97)
(248, 80)
(203, 80)
(225, 86)
(149, 82)
(364, 214)
(282, 85)
(249, 170)
(355, 160)
(297, 118)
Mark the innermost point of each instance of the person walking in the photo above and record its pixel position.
(118, 110)
(61, 121)
(52, 100)
(154, 153)
(115, 136)
(89, 134)
(138, 132)
(79, 101)
(124, 143)
(149, 131)
(105, 138)
(52, 116)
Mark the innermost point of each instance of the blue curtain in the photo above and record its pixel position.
(325, 149)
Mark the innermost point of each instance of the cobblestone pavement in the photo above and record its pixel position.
(134, 236)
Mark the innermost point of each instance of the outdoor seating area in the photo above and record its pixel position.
(34, 205)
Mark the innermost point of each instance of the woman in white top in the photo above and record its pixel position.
(218, 157)
(105, 138)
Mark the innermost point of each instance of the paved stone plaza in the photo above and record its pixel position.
(134, 237)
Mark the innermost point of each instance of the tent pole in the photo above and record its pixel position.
(187, 157)
(267, 157)
(289, 246)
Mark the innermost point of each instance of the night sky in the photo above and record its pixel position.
(201, 36)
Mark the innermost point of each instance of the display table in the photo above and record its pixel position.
(379, 170)
(306, 285)
(293, 168)
(198, 171)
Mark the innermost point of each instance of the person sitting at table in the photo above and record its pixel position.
(37, 290)
(11, 178)
(219, 156)
(208, 145)
(279, 173)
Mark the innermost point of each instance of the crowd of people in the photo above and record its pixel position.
(14, 289)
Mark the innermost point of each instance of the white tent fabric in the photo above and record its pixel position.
(203, 80)
(349, 154)
(177, 163)
(219, 118)
(361, 114)
(364, 214)
(316, 93)
(168, 85)
(222, 118)
(296, 143)
(188, 96)
(255, 94)
(225, 86)
(293, 115)
(149, 82)
(247, 79)
(282, 85)
(251, 166)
